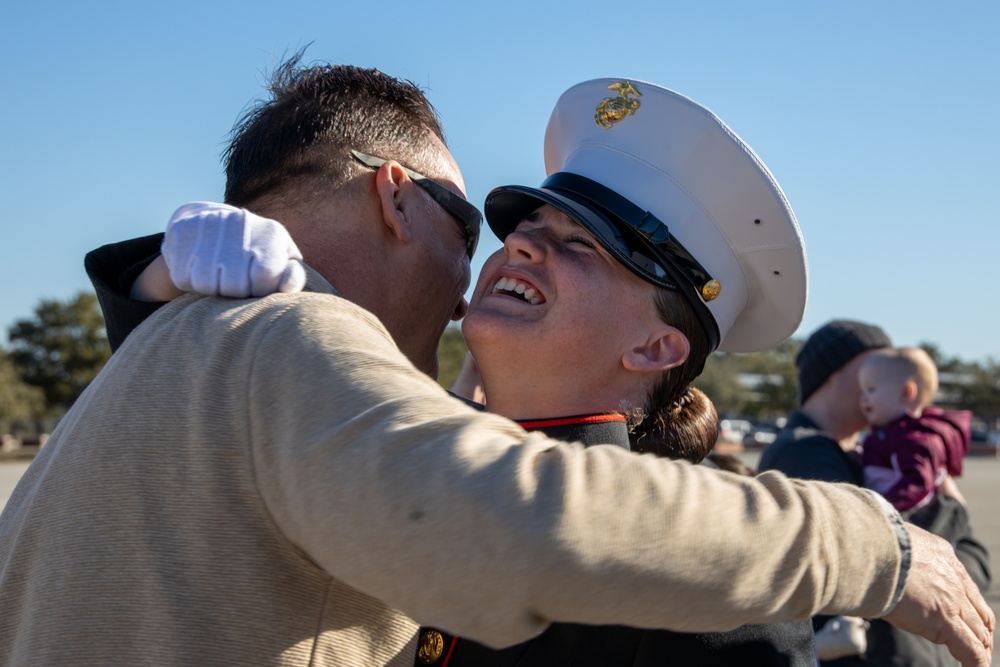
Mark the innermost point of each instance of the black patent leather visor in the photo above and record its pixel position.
(636, 238)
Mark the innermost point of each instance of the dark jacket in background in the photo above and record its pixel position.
(802, 449)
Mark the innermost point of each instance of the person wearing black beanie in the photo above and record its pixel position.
(830, 348)
(819, 442)
(819, 437)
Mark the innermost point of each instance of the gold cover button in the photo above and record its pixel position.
(710, 290)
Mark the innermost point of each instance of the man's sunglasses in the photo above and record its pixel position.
(468, 216)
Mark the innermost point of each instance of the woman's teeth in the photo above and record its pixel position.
(513, 286)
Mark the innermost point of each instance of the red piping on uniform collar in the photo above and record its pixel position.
(563, 421)
(451, 649)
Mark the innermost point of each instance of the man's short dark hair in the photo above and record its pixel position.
(301, 136)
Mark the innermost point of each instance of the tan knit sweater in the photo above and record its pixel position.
(270, 482)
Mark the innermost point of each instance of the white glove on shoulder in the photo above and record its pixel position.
(221, 250)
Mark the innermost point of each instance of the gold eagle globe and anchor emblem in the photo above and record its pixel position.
(430, 646)
(613, 110)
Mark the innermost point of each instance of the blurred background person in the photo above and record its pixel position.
(913, 447)
(820, 441)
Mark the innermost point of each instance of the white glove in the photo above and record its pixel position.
(221, 250)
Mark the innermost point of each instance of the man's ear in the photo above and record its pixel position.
(392, 183)
(665, 348)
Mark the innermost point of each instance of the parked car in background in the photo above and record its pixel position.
(760, 436)
(734, 430)
(731, 434)
(985, 443)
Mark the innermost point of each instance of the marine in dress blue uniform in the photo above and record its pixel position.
(676, 197)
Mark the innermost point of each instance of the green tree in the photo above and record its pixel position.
(775, 392)
(720, 382)
(982, 395)
(968, 386)
(61, 349)
(760, 385)
(937, 356)
(451, 353)
(19, 401)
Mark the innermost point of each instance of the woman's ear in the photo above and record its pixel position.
(665, 348)
(391, 183)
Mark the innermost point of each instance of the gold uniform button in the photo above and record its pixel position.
(711, 290)
(430, 647)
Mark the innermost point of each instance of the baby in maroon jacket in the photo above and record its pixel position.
(913, 446)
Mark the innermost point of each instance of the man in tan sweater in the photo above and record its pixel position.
(279, 482)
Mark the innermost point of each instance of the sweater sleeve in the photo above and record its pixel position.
(465, 522)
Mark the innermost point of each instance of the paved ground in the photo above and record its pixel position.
(10, 472)
(980, 484)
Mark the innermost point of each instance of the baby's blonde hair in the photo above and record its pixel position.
(905, 364)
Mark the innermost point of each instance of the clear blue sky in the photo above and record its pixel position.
(878, 119)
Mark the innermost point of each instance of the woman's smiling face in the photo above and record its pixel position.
(552, 300)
